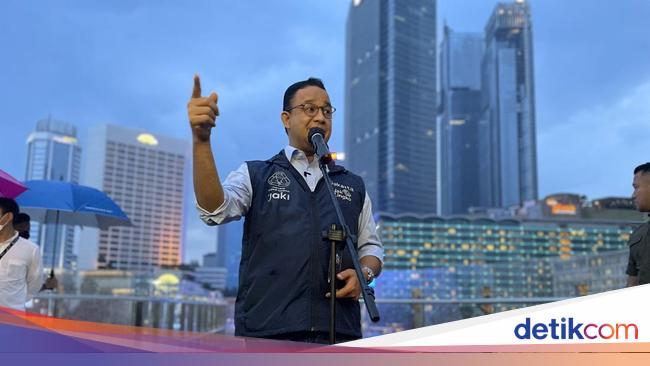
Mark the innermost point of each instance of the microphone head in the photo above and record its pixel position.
(315, 131)
(319, 145)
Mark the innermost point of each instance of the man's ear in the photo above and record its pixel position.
(8, 214)
(284, 116)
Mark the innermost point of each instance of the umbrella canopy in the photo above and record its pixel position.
(55, 202)
(10, 186)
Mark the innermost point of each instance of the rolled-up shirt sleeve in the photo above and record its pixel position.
(237, 194)
(368, 242)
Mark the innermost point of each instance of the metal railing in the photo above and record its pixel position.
(205, 315)
(216, 315)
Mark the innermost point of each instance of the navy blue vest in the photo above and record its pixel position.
(284, 262)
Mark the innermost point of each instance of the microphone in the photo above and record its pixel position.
(316, 137)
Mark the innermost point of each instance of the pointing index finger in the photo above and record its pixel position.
(196, 91)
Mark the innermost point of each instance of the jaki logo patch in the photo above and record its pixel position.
(278, 182)
(279, 179)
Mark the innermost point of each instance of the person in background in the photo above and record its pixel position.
(21, 271)
(638, 267)
(22, 225)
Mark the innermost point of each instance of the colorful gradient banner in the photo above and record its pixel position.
(491, 339)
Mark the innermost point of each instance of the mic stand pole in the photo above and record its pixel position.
(367, 293)
(335, 235)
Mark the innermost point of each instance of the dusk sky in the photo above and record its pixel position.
(131, 63)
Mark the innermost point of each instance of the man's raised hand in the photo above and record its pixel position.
(202, 112)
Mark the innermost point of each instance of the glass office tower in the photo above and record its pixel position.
(508, 167)
(53, 153)
(390, 120)
(460, 113)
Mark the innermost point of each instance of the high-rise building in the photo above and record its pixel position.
(229, 242)
(390, 103)
(53, 153)
(145, 175)
(508, 167)
(460, 112)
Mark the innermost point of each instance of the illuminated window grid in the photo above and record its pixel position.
(504, 247)
(147, 183)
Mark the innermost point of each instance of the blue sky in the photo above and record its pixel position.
(131, 63)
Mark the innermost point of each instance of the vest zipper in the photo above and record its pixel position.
(314, 263)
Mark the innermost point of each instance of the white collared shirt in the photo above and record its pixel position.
(238, 193)
(21, 273)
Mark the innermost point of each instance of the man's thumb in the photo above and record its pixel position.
(196, 90)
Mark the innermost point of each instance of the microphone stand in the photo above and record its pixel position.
(333, 234)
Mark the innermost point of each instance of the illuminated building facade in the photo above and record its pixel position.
(510, 256)
(589, 274)
(145, 175)
(470, 258)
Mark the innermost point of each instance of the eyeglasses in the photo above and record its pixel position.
(311, 110)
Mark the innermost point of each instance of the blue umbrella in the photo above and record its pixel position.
(55, 202)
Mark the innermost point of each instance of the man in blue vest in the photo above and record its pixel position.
(283, 287)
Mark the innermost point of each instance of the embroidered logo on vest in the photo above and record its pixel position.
(279, 179)
(279, 182)
(343, 192)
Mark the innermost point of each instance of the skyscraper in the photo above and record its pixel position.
(460, 112)
(508, 167)
(54, 154)
(390, 119)
(229, 242)
(144, 174)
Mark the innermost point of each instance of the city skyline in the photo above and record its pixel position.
(592, 81)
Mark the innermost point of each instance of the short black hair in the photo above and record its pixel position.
(643, 168)
(9, 205)
(21, 217)
(293, 89)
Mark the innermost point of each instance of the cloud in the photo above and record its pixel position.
(594, 150)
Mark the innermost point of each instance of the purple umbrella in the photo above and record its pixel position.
(10, 186)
